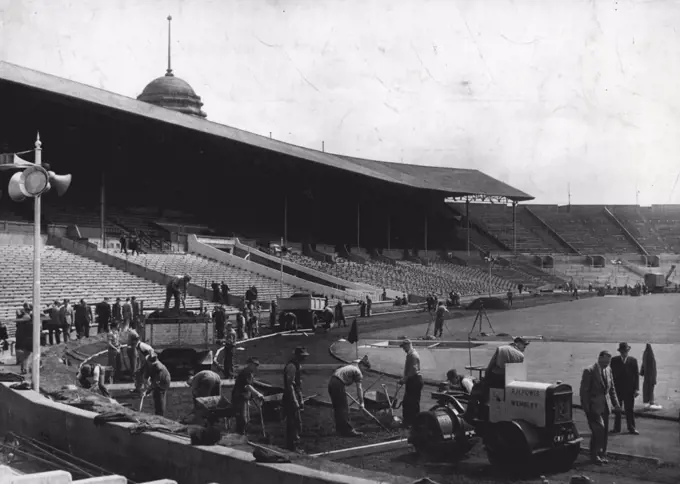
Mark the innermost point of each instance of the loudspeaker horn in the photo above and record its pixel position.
(15, 190)
(59, 182)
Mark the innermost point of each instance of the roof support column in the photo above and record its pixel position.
(514, 228)
(358, 224)
(389, 227)
(425, 235)
(285, 221)
(467, 221)
(102, 215)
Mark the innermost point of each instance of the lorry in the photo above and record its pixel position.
(307, 308)
(655, 282)
(183, 340)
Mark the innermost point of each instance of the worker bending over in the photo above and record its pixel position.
(342, 378)
(177, 289)
(205, 383)
(91, 374)
(243, 392)
(413, 383)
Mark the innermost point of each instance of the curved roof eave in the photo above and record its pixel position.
(389, 172)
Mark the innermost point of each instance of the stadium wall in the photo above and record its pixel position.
(152, 455)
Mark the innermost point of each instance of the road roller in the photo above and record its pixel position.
(523, 426)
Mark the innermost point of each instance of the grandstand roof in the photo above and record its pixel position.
(452, 181)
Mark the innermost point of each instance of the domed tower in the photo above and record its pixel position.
(171, 92)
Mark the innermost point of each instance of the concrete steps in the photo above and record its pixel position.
(11, 476)
(203, 271)
(67, 275)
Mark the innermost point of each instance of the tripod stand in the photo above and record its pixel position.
(478, 319)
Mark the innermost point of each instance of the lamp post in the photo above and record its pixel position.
(31, 181)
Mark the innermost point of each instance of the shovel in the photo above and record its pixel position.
(141, 402)
(393, 419)
(265, 439)
(367, 412)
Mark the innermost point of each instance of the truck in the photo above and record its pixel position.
(307, 308)
(655, 282)
(183, 340)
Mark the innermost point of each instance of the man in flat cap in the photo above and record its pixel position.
(292, 397)
(512, 353)
(494, 376)
(243, 392)
(413, 383)
(626, 375)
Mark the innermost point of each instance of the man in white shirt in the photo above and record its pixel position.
(341, 379)
(177, 288)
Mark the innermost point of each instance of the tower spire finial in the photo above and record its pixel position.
(169, 71)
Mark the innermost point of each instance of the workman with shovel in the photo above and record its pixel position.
(139, 356)
(342, 378)
(160, 379)
(242, 393)
(292, 402)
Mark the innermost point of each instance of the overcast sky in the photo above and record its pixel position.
(541, 94)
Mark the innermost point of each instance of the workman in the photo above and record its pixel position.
(327, 316)
(292, 397)
(243, 392)
(142, 352)
(288, 321)
(512, 353)
(342, 378)
(177, 287)
(456, 383)
(227, 353)
(439, 319)
(205, 383)
(113, 346)
(91, 374)
(159, 378)
(413, 383)
(495, 375)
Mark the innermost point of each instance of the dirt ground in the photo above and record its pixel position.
(475, 470)
(60, 365)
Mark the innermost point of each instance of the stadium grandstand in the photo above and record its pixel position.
(216, 202)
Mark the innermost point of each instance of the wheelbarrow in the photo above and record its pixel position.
(383, 406)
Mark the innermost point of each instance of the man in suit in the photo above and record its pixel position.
(597, 398)
(627, 383)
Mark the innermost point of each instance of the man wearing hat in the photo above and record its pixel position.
(176, 288)
(342, 378)
(138, 358)
(292, 397)
(494, 376)
(512, 353)
(413, 383)
(243, 392)
(160, 379)
(626, 375)
(227, 354)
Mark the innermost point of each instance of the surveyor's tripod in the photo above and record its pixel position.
(481, 312)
